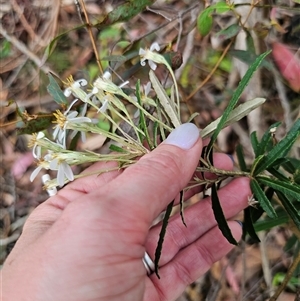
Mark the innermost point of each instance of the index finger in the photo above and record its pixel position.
(156, 179)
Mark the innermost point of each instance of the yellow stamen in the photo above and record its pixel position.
(60, 118)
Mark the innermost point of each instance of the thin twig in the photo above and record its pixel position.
(89, 29)
(212, 71)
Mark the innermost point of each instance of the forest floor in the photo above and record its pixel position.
(208, 73)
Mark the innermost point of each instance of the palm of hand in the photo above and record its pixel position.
(88, 241)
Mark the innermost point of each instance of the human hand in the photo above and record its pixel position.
(87, 242)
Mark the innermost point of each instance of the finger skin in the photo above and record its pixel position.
(190, 263)
(148, 186)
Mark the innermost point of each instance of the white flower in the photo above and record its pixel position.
(42, 163)
(51, 191)
(105, 83)
(63, 120)
(74, 87)
(146, 54)
(52, 161)
(63, 169)
(37, 149)
(147, 88)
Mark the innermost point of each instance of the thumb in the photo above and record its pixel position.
(158, 177)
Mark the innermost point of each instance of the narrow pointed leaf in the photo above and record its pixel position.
(241, 158)
(237, 114)
(248, 225)
(162, 236)
(280, 149)
(219, 216)
(254, 143)
(262, 198)
(288, 188)
(290, 208)
(278, 174)
(164, 99)
(236, 96)
(265, 140)
(229, 32)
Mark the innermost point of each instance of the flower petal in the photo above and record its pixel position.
(68, 171)
(67, 92)
(154, 46)
(142, 51)
(152, 65)
(35, 173)
(60, 176)
(82, 82)
(147, 88)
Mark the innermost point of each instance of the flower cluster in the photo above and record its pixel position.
(104, 96)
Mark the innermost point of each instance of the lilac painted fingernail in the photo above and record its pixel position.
(184, 136)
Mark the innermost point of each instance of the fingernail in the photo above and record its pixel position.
(240, 223)
(184, 136)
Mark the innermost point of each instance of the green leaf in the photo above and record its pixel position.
(236, 96)
(241, 158)
(55, 91)
(165, 101)
(248, 225)
(219, 216)
(279, 150)
(291, 165)
(117, 149)
(229, 32)
(296, 176)
(221, 7)
(204, 22)
(254, 143)
(290, 208)
(162, 236)
(278, 174)
(124, 12)
(265, 140)
(262, 199)
(248, 57)
(288, 188)
(268, 223)
(41, 122)
(235, 115)
(256, 162)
